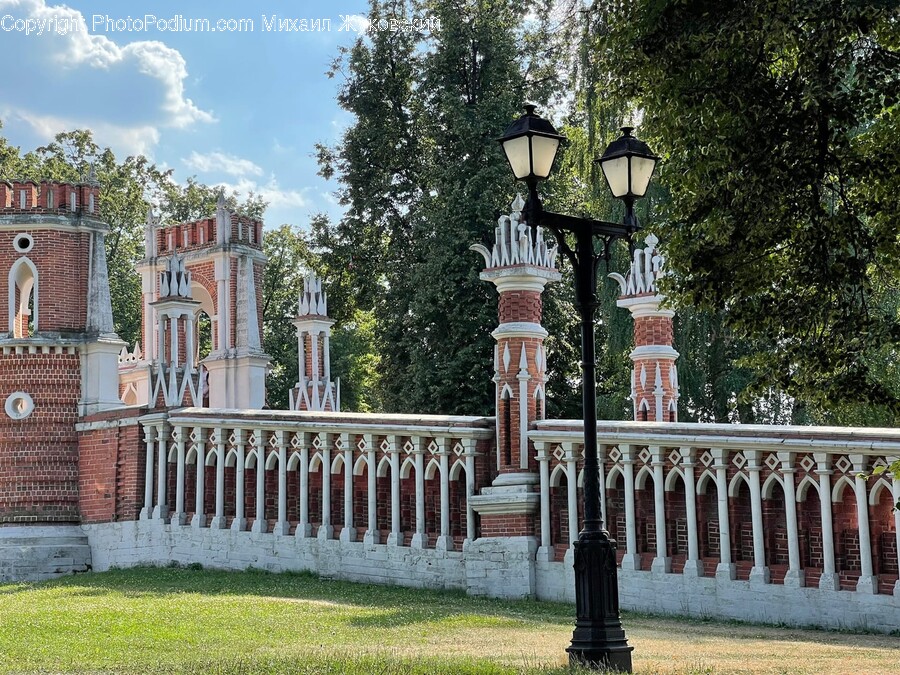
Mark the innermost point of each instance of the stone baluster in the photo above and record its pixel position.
(444, 541)
(304, 527)
(260, 524)
(571, 459)
(283, 525)
(326, 529)
(545, 552)
(601, 459)
(760, 572)
(868, 582)
(795, 574)
(348, 532)
(726, 569)
(895, 491)
(693, 566)
(179, 517)
(372, 535)
(662, 563)
(631, 560)
(161, 510)
(829, 580)
(150, 442)
(420, 539)
(395, 538)
(470, 454)
(218, 521)
(239, 523)
(199, 519)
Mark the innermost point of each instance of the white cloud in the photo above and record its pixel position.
(221, 162)
(271, 191)
(59, 80)
(138, 140)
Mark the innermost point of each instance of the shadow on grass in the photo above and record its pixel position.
(397, 606)
(394, 606)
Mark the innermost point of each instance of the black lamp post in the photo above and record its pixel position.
(530, 144)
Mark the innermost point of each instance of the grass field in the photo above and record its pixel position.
(192, 621)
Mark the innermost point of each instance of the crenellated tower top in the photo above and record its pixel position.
(28, 197)
(519, 259)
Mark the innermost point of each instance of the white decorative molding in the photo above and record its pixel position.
(19, 405)
(313, 300)
(23, 242)
(653, 352)
(520, 329)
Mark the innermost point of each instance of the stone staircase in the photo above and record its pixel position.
(35, 553)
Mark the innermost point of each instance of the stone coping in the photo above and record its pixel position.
(334, 422)
(742, 436)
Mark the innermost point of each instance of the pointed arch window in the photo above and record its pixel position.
(23, 298)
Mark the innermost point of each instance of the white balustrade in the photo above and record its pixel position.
(718, 467)
(296, 440)
(717, 471)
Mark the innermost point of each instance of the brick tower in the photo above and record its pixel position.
(520, 264)
(223, 262)
(654, 377)
(58, 360)
(315, 389)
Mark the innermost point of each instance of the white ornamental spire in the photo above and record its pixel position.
(647, 267)
(514, 243)
(313, 301)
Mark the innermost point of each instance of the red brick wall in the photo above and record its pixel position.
(519, 306)
(39, 454)
(61, 259)
(509, 525)
(653, 330)
(111, 468)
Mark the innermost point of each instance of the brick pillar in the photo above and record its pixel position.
(520, 264)
(315, 389)
(654, 377)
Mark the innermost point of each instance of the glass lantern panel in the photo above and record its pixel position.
(519, 158)
(544, 150)
(641, 170)
(616, 172)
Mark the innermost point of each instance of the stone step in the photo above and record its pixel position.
(42, 552)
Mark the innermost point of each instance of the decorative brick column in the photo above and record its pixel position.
(654, 377)
(315, 389)
(520, 264)
(175, 378)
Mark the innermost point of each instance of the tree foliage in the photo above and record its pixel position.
(422, 179)
(778, 122)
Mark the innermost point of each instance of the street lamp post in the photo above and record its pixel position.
(530, 144)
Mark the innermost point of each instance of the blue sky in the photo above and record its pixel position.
(240, 108)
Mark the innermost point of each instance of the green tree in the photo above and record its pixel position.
(422, 179)
(289, 259)
(778, 122)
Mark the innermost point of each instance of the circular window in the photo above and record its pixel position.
(19, 405)
(23, 242)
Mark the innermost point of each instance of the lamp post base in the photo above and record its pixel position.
(598, 640)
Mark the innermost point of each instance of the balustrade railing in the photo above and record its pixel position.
(771, 504)
(397, 479)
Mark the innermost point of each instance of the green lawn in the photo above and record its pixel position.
(182, 620)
